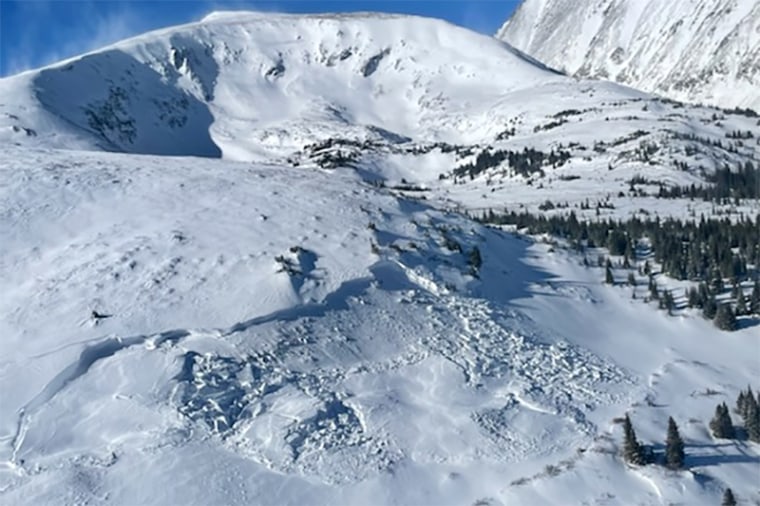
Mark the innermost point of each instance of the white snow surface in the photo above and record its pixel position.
(267, 345)
(700, 51)
(278, 333)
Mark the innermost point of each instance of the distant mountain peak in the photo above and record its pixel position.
(699, 51)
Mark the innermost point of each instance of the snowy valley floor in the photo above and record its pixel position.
(288, 336)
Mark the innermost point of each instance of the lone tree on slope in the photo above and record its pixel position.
(728, 498)
(608, 277)
(633, 452)
(721, 424)
(725, 319)
(741, 303)
(710, 308)
(674, 447)
(752, 420)
(754, 300)
(474, 259)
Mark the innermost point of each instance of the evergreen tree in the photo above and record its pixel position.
(693, 297)
(653, 291)
(475, 259)
(740, 402)
(629, 252)
(721, 424)
(633, 452)
(725, 319)
(741, 303)
(735, 288)
(716, 284)
(608, 277)
(728, 498)
(749, 401)
(752, 421)
(710, 308)
(754, 300)
(674, 447)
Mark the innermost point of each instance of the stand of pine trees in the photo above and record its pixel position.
(741, 183)
(636, 453)
(707, 251)
(747, 405)
(525, 163)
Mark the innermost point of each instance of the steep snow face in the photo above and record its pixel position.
(705, 51)
(243, 84)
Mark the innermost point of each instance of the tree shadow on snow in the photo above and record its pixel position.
(337, 300)
(716, 460)
(747, 322)
(505, 274)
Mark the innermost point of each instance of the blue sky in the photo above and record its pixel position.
(37, 32)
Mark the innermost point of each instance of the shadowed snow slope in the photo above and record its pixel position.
(701, 51)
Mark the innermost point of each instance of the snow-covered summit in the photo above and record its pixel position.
(238, 84)
(404, 97)
(705, 51)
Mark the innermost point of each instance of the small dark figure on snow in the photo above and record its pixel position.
(99, 316)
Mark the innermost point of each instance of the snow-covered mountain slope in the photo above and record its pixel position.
(398, 96)
(242, 84)
(700, 51)
(311, 319)
(291, 336)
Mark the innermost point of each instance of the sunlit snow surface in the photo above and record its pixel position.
(698, 51)
(277, 334)
(297, 336)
